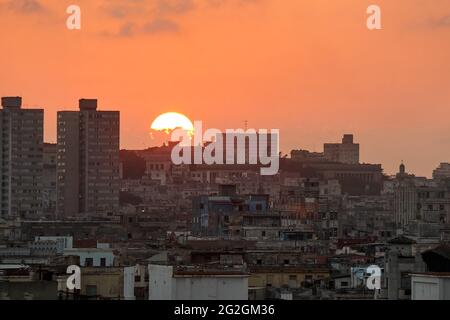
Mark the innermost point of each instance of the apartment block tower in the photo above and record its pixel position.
(88, 161)
(21, 160)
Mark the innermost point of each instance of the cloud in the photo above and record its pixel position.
(25, 6)
(443, 22)
(163, 14)
(155, 8)
(163, 8)
(130, 29)
(127, 30)
(161, 25)
(220, 3)
(178, 7)
(120, 9)
(117, 11)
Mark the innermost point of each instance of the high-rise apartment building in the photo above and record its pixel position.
(49, 179)
(21, 160)
(88, 161)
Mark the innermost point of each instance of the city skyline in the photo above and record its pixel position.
(158, 142)
(233, 157)
(313, 62)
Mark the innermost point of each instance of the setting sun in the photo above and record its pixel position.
(171, 120)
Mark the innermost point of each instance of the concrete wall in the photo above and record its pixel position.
(164, 286)
(128, 283)
(160, 282)
(211, 288)
(425, 287)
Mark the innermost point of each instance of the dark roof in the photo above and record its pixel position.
(442, 250)
(290, 269)
(432, 274)
(402, 240)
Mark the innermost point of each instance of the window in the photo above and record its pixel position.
(91, 290)
(286, 261)
(258, 207)
(269, 280)
(89, 262)
(103, 262)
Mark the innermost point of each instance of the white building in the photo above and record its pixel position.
(129, 274)
(52, 243)
(430, 286)
(93, 257)
(169, 283)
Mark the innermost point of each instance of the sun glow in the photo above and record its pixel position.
(172, 120)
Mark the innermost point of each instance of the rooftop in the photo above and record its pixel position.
(402, 240)
(12, 102)
(432, 274)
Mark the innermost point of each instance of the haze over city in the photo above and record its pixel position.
(310, 68)
(228, 157)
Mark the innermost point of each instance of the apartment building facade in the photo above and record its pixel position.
(88, 161)
(21, 159)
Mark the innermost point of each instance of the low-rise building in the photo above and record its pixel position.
(430, 286)
(292, 277)
(196, 283)
(92, 257)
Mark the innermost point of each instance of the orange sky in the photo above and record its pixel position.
(308, 67)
